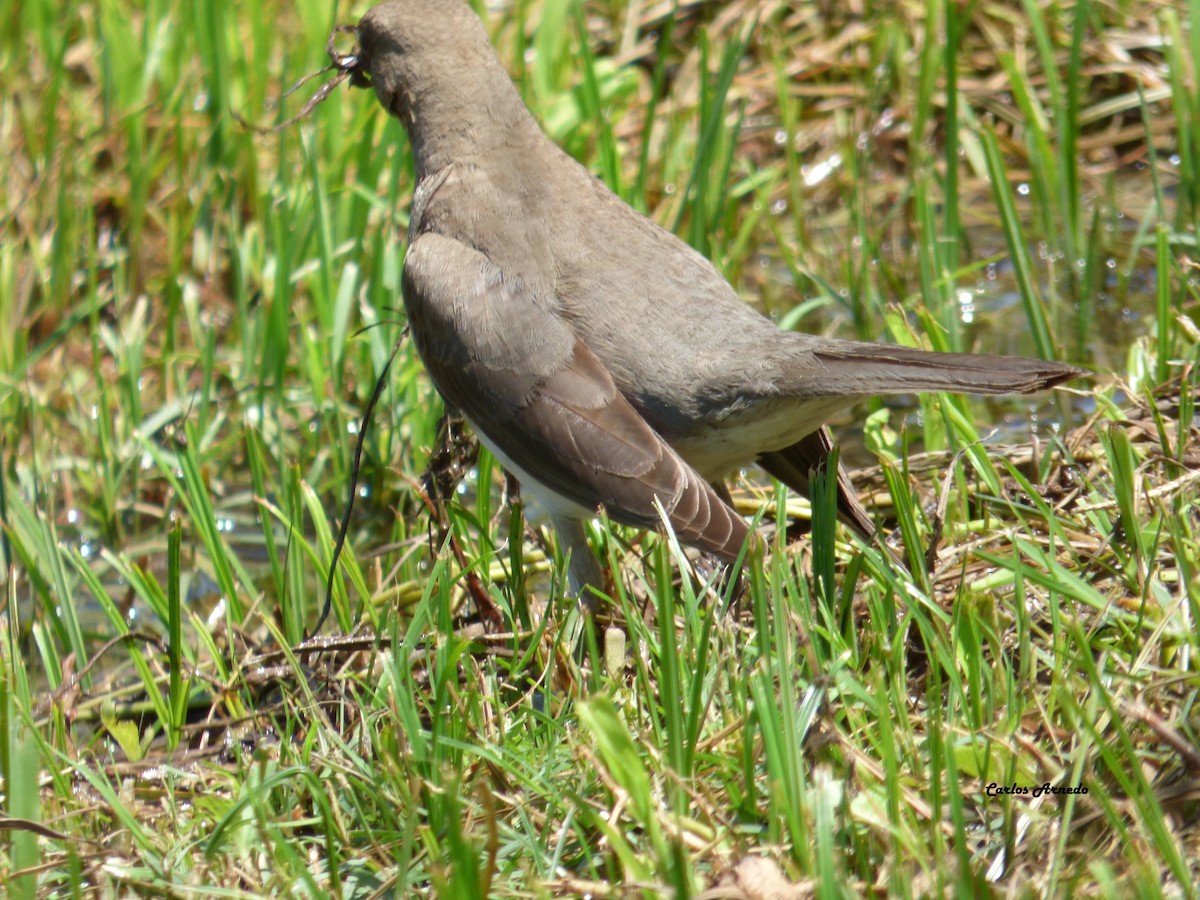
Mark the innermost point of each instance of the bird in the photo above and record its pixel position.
(605, 363)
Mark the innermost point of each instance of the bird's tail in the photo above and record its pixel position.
(795, 466)
(864, 369)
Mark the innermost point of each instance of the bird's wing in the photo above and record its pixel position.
(500, 352)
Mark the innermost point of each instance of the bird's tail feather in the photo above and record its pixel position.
(795, 466)
(856, 369)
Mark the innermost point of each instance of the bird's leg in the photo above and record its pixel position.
(707, 564)
(584, 574)
(586, 581)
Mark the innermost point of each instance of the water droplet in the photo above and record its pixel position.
(966, 306)
(814, 175)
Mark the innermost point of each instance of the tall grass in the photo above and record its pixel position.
(194, 317)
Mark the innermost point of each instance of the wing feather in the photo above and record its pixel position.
(498, 351)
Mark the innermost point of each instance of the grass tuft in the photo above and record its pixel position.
(193, 318)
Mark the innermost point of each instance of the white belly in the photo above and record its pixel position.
(544, 499)
(741, 438)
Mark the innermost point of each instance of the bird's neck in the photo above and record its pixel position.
(450, 121)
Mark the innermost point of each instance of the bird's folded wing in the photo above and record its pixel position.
(500, 352)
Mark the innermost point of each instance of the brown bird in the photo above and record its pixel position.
(603, 361)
